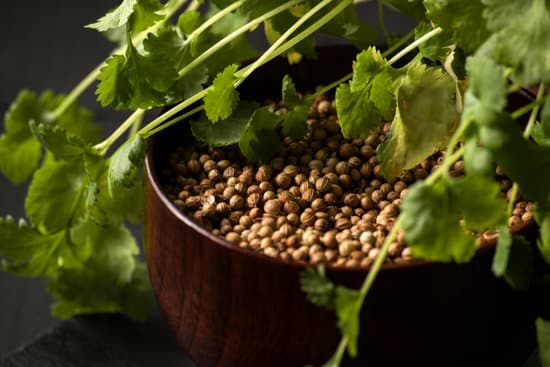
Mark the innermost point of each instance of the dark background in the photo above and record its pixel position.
(44, 45)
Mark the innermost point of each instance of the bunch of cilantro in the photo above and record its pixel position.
(444, 86)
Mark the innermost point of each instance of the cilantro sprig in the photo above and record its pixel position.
(446, 90)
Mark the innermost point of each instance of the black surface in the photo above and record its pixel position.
(44, 45)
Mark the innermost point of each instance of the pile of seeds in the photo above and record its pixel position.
(320, 200)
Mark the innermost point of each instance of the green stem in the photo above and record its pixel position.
(285, 47)
(131, 120)
(92, 76)
(398, 44)
(261, 60)
(212, 20)
(173, 121)
(382, 23)
(233, 35)
(447, 162)
(336, 359)
(307, 32)
(415, 44)
(527, 108)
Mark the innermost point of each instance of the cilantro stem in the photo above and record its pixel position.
(131, 120)
(238, 32)
(212, 20)
(339, 354)
(282, 49)
(527, 108)
(173, 121)
(88, 80)
(382, 22)
(535, 107)
(265, 56)
(434, 32)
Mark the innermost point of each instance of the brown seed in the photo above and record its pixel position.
(345, 248)
(268, 195)
(317, 257)
(310, 238)
(233, 237)
(209, 165)
(322, 184)
(283, 180)
(272, 207)
(271, 252)
(342, 168)
(264, 173)
(193, 166)
(307, 218)
(308, 195)
(321, 224)
(222, 208)
(245, 221)
(352, 200)
(300, 254)
(236, 202)
(347, 150)
(253, 199)
(342, 223)
(329, 239)
(291, 206)
(255, 213)
(265, 231)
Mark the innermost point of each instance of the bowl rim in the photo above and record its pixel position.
(151, 176)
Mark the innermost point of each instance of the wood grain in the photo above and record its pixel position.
(231, 307)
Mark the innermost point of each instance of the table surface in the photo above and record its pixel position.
(44, 45)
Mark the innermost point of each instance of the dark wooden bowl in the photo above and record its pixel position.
(231, 307)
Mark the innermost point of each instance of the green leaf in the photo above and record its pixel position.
(136, 81)
(348, 26)
(227, 131)
(431, 224)
(487, 91)
(437, 48)
(513, 260)
(543, 339)
(520, 37)
(368, 98)
(295, 122)
(259, 140)
(319, 290)
(478, 214)
(189, 21)
(539, 135)
(20, 152)
(144, 14)
(106, 208)
(542, 216)
(222, 98)
(426, 118)
(463, 20)
(545, 117)
(117, 17)
(109, 281)
(56, 140)
(125, 163)
(54, 194)
(27, 252)
(348, 307)
(288, 91)
(477, 159)
(413, 8)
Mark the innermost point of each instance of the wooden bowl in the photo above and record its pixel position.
(232, 307)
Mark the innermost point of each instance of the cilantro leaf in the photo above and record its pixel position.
(520, 37)
(259, 140)
(425, 120)
(227, 131)
(20, 151)
(288, 91)
(144, 14)
(222, 98)
(478, 160)
(109, 281)
(295, 122)
(487, 91)
(431, 224)
(319, 290)
(28, 252)
(368, 98)
(54, 194)
(545, 117)
(348, 26)
(125, 162)
(414, 8)
(437, 48)
(136, 81)
(461, 19)
(513, 260)
(116, 18)
(348, 307)
(478, 214)
(56, 140)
